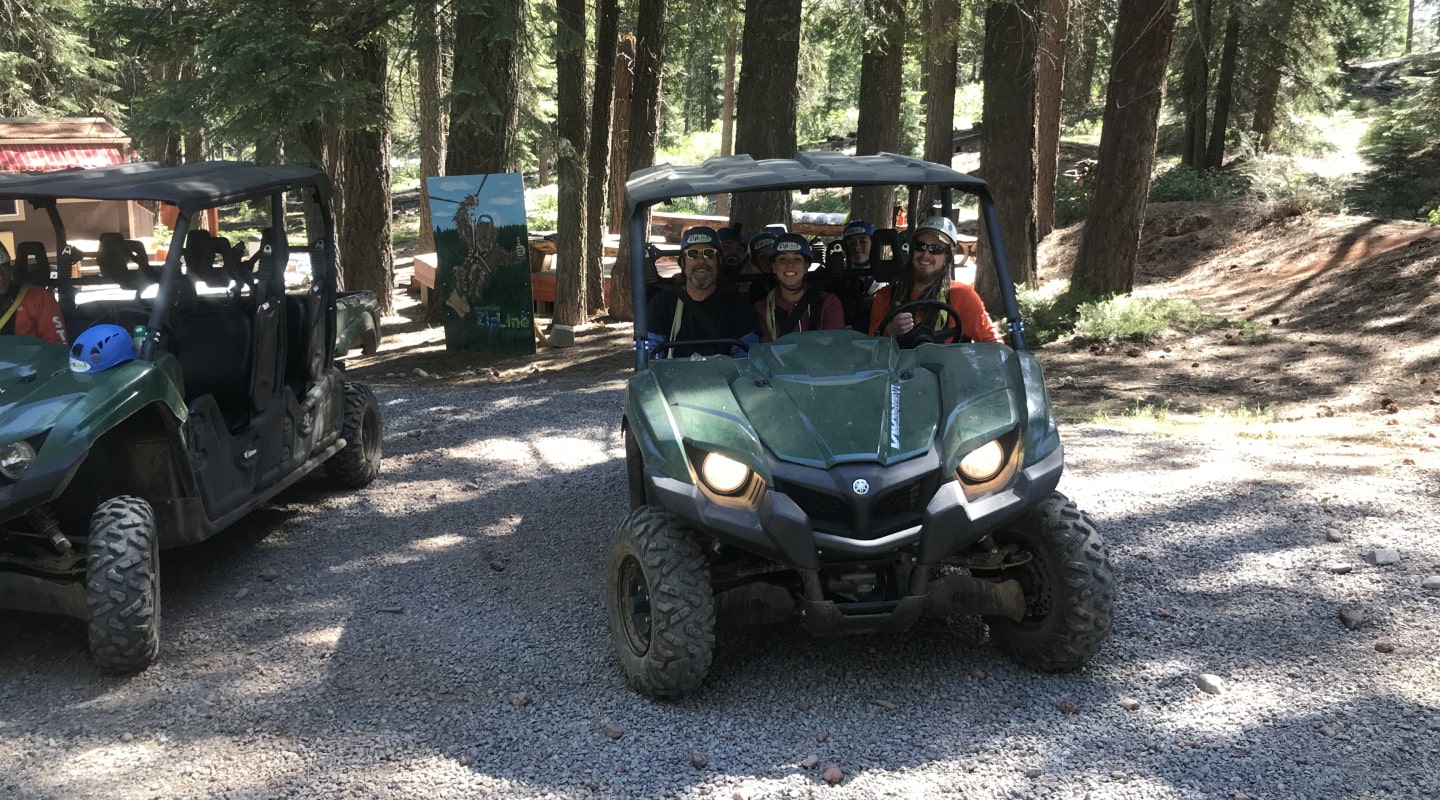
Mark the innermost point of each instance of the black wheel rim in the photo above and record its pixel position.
(370, 436)
(1034, 584)
(633, 600)
(1034, 579)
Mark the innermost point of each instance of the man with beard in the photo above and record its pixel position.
(698, 310)
(734, 253)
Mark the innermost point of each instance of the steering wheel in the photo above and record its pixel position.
(924, 334)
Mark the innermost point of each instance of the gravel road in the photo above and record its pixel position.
(442, 634)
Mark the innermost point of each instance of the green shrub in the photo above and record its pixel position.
(823, 202)
(1187, 183)
(690, 205)
(404, 175)
(1129, 318)
(693, 148)
(1049, 311)
(542, 209)
(1072, 202)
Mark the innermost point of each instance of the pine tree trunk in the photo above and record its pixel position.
(1195, 85)
(366, 258)
(940, 59)
(727, 107)
(571, 114)
(620, 133)
(644, 128)
(765, 103)
(310, 150)
(485, 89)
(1105, 264)
(431, 87)
(544, 152)
(1410, 29)
(1224, 89)
(1055, 31)
(878, 129)
(1080, 69)
(598, 185)
(1007, 138)
(1271, 58)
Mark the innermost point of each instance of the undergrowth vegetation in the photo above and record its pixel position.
(1053, 312)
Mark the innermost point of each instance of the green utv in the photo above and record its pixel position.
(189, 394)
(840, 478)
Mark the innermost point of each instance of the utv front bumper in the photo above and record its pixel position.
(779, 529)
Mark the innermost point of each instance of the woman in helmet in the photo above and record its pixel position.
(927, 277)
(27, 310)
(792, 305)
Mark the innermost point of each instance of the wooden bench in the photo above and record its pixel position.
(425, 266)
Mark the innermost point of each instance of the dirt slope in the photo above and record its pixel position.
(1330, 314)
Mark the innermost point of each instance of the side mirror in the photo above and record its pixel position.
(887, 255)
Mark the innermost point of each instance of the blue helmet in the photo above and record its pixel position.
(792, 243)
(100, 348)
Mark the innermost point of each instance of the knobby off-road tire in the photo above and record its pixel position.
(122, 585)
(358, 462)
(662, 612)
(1069, 589)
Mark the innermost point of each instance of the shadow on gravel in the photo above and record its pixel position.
(423, 621)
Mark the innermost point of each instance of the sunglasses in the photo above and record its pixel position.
(936, 249)
(701, 252)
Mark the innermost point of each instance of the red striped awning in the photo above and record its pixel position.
(46, 157)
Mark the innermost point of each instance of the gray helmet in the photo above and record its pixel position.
(940, 226)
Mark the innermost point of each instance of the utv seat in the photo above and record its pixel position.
(117, 255)
(32, 264)
(214, 346)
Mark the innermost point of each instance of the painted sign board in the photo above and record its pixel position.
(483, 278)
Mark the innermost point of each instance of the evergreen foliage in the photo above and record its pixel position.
(48, 64)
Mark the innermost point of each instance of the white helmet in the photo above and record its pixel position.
(942, 227)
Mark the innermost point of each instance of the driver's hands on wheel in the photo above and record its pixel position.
(900, 325)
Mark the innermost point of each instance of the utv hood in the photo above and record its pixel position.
(39, 393)
(36, 386)
(824, 398)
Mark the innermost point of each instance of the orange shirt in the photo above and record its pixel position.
(974, 322)
(38, 315)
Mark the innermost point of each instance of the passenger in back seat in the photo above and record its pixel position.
(27, 310)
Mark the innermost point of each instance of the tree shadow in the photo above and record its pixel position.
(408, 632)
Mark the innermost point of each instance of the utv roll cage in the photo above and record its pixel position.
(807, 170)
(191, 188)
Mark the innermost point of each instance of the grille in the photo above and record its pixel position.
(908, 499)
(824, 510)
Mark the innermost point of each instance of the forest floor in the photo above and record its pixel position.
(1313, 317)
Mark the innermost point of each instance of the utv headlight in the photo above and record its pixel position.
(724, 475)
(983, 463)
(15, 458)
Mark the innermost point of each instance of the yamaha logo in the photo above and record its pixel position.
(861, 486)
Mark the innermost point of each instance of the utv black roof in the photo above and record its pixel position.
(192, 187)
(807, 170)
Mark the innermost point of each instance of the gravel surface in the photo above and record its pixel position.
(442, 634)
